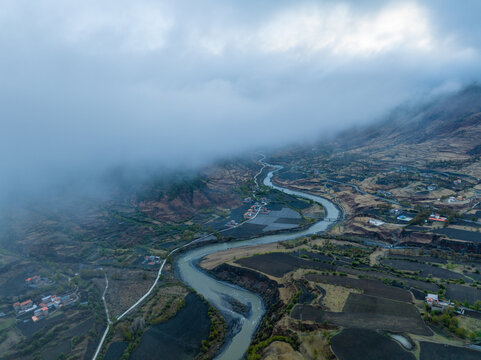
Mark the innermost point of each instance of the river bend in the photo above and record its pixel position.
(215, 291)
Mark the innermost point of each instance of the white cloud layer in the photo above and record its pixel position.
(86, 85)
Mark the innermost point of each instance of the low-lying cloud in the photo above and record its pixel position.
(88, 85)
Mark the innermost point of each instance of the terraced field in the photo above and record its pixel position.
(278, 264)
(368, 312)
(369, 287)
(434, 351)
(361, 344)
(424, 270)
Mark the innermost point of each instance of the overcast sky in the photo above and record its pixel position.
(86, 85)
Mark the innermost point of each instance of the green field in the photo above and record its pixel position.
(6, 323)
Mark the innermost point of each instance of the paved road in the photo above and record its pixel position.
(108, 318)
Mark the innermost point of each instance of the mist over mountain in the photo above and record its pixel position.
(87, 87)
(240, 179)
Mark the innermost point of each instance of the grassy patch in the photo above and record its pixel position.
(6, 323)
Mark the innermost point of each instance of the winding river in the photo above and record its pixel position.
(216, 292)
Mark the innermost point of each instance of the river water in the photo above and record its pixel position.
(215, 291)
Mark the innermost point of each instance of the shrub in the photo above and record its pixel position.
(461, 332)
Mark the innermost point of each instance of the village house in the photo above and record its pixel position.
(404, 218)
(151, 259)
(32, 280)
(432, 299)
(437, 217)
(376, 222)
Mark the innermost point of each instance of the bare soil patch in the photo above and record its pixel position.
(336, 296)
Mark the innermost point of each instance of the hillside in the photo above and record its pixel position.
(420, 160)
(447, 128)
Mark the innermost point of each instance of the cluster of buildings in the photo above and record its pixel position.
(249, 214)
(252, 211)
(47, 303)
(23, 307)
(40, 314)
(257, 207)
(151, 260)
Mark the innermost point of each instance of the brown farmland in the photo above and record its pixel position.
(370, 287)
(368, 312)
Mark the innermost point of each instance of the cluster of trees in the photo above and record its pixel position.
(293, 302)
(215, 323)
(449, 321)
(169, 309)
(253, 353)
